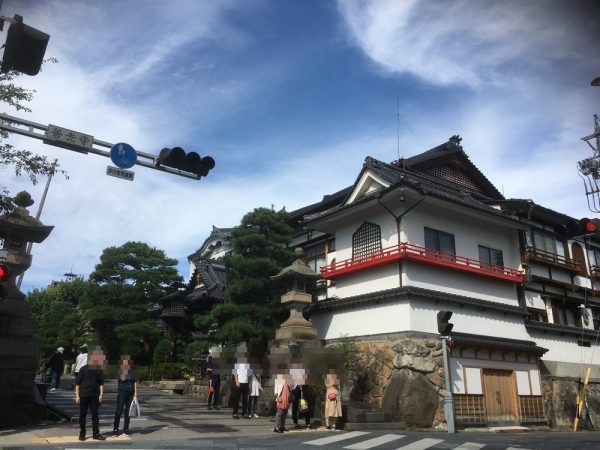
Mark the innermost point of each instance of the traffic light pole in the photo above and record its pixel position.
(448, 399)
(79, 142)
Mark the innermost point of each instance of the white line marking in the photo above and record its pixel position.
(336, 438)
(469, 446)
(375, 441)
(422, 444)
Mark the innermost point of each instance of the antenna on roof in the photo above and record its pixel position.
(398, 127)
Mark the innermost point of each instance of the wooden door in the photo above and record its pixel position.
(500, 395)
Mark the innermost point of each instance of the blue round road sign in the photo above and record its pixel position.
(123, 155)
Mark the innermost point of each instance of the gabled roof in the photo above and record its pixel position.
(449, 161)
(216, 235)
(444, 172)
(421, 182)
(214, 280)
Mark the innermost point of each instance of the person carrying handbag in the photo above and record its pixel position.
(301, 406)
(282, 402)
(126, 393)
(333, 401)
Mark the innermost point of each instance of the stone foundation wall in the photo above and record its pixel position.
(405, 378)
(560, 403)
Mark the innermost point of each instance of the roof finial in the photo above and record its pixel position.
(455, 140)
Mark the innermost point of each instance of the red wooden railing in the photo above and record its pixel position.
(412, 252)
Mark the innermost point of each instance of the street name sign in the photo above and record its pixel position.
(123, 155)
(69, 139)
(120, 173)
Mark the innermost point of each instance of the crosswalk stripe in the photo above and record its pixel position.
(336, 438)
(422, 444)
(375, 441)
(514, 448)
(469, 446)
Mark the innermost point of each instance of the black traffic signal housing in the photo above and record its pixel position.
(589, 226)
(192, 162)
(444, 327)
(24, 48)
(4, 275)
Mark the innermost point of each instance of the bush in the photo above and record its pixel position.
(162, 352)
(169, 371)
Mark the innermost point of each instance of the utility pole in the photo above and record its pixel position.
(38, 214)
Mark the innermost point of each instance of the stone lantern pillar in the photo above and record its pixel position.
(17, 347)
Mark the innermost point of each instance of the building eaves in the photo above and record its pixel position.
(496, 343)
(565, 330)
(405, 292)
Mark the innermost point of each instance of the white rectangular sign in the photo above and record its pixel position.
(119, 173)
(65, 138)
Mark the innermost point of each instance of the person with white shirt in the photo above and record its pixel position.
(81, 359)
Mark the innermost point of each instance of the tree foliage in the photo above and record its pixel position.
(116, 312)
(253, 310)
(23, 161)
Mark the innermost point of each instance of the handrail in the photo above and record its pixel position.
(415, 252)
(551, 257)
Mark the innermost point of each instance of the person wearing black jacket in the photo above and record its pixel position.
(56, 365)
(126, 392)
(302, 392)
(89, 392)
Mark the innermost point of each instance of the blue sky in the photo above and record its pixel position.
(289, 97)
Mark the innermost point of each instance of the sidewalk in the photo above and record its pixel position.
(164, 417)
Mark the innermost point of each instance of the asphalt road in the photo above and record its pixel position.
(171, 421)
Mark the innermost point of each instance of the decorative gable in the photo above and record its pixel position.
(453, 175)
(367, 184)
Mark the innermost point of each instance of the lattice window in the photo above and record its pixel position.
(532, 408)
(366, 242)
(453, 175)
(469, 409)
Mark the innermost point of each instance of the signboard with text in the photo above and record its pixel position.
(120, 173)
(65, 138)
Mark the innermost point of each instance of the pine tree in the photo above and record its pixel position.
(253, 310)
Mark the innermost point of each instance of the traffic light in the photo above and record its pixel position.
(191, 162)
(3, 280)
(444, 327)
(589, 226)
(24, 49)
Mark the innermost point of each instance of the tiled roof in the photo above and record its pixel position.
(553, 328)
(496, 343)
(214, 277)
(412, 292)
(426, 184)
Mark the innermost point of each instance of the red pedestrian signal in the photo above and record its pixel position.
(3, 273)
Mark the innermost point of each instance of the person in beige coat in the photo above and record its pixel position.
(333, 400)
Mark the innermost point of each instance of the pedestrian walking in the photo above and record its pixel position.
(333, 401)
(56, 365)
(255, 390)
(282, 402)
(89, 392)
(126, 392)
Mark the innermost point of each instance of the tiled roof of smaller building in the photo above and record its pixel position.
(496, 343)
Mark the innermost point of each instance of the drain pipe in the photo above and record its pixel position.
(398, 219)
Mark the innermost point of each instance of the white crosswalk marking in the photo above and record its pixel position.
(422, 444)
(375, 441)
(469, 446)
(336, 438)
(515, 448)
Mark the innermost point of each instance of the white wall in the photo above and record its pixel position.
(363, 321)
(459, 283)
(565, 349)
(375, 279)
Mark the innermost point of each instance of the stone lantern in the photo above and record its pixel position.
(17, 347)
(296, 328)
